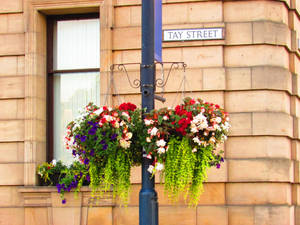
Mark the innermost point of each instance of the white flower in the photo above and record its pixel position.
(194, 129)
(194, 150)
(148, 122)
(122, 123)
(125, 144)
(161, 143)
(99, 111)
(53, 162)
(165, 118)
(218, 119)
(150, 169)
(196, 140)
(149, 156)
(159, 166)
(153, 131)
(128, 136)
(125, 114)
(161, 150)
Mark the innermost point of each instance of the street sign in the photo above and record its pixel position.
(216, 33)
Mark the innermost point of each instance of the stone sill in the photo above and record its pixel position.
(45, 196)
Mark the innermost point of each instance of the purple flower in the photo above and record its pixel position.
(58, 186)
(83, 138)
(88, 178)
(92, 153)
(113, 137)
(92, 131)
(102, 142)
(77, 136)
(105, 147)
(86, 161)
(95, 138)
(222, 159)
(218, 165)
(63, 201)
(103, 133)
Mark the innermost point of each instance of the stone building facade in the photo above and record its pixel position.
(254, 73)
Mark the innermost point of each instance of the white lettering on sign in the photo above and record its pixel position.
(194, 34)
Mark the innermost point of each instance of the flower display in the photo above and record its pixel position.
(104, 139)
(183, 143)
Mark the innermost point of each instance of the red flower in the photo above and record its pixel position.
(192, 102)
(127, 106)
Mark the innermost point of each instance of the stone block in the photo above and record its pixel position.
(211, 215)
(180, 215)
(238, 78)
(279, 215)
(12, 152)
(125, 216)
(132, 35)
(21, 65)
(63, 216)
(10, 197)
(296, 194)
(36, 216)
(258, 147)
(296, 125)
(275, 170)
(102, 215)
(209, 56)
(255, 11)
(297, 215)
(240, 124)
(297, 171)
(9, 216)
(214, 79)
(135, 16)
(15, 23)
(72, 200)
(8, 65)
(3, 23)
(11, 130)
(258, 55)
(12, 44)
(180, 10)
(271, 33)
(295, 106)
(11, 174)
(257, 101)
(296, 150)
(238, 33)
(240, 215)
(12, 87)
(11, 109)
(267, 77)
(8, 6)
(202, 12)
(122, 16)
(131, 56)
(296, 84)
(172, 55)
(264, 124)
(258, 193)
(218, 175)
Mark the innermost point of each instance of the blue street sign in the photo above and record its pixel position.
(158, 30)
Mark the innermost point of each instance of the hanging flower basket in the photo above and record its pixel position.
(182, 142)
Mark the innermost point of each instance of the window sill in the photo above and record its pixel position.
(45, 196)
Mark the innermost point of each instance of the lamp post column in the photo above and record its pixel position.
(148, 205)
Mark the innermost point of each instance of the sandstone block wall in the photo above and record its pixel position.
(254, 73)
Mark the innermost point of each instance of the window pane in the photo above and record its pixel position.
(72, 92)
(77, 44)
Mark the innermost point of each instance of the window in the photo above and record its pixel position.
(73, 74)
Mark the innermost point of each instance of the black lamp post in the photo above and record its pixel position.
(148, 205)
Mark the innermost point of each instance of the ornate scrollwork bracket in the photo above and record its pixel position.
(160, 82)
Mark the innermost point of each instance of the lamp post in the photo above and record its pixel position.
(148, 205)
